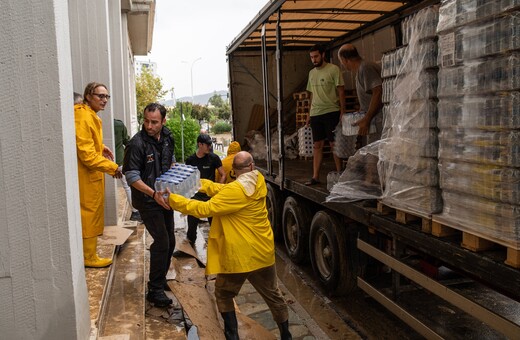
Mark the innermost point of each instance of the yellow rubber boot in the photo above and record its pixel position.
(90, 255)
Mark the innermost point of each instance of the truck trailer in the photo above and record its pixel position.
(411, 236)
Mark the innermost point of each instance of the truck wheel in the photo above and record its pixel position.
(296, 220)
(328, 251)
(273, 204)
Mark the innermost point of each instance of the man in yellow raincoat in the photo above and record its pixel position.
(94, 159)
(240, 241)
(227, 163)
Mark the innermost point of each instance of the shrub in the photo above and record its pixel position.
(221, 127)
(191, 131)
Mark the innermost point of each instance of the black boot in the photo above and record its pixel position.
(230, 325)
(158, 298)
(284, 330)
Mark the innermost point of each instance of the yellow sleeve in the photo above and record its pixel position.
(87, 153)
(229, 200)
(210, 188)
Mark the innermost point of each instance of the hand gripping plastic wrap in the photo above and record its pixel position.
(305, 141)
(479, 118)
(349, 119)
(408, 152)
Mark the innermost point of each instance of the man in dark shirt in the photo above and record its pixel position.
(207, 162)
(149, 154)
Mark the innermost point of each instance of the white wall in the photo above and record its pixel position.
(42, 286)
(92, 61)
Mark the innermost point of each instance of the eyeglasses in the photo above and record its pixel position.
(102, 96)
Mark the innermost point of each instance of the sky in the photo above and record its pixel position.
(186, 30)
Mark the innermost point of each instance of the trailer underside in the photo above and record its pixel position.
(375, 231)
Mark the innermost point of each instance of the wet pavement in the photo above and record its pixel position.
(126, 314)
(313, 313)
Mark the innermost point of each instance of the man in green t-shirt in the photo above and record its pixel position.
(121, 140)
(327, 90)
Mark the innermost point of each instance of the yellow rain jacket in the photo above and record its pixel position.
(227, 163)
(240, 238)
(91, 166)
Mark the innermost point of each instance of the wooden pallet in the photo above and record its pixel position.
(406, 216)
(473, 242)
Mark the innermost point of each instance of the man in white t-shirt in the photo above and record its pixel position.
(368, 87)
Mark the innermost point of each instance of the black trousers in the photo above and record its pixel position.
(159, 224)
(193, 222)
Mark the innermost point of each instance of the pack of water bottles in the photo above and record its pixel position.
(181, 179)
(350, 118)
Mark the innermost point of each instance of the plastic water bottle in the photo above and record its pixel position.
(158, 186)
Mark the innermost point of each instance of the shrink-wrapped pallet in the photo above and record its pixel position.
(479, 120)
(408, 154)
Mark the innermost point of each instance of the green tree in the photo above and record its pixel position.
(216, 100)
(148, 89)
(191, 130)
(224, 112)
(180, 107)
(220, 107)
(200, 113)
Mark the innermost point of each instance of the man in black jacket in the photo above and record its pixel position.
(149, 154)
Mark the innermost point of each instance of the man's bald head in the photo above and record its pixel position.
(242, 162)
(349, 52)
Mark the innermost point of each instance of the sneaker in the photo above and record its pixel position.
(312, 181)
(158, 298)
(136, 216)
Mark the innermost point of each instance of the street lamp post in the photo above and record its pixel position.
(191, 75)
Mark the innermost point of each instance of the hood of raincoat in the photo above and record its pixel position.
(233, 148)
(253, 184)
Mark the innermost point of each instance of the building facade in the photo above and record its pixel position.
(52, 48)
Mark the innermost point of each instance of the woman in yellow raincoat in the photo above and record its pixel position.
(227, 163)
(94, 159)
(240, 241)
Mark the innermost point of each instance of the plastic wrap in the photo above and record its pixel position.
(454, 13)
(409, 144)
(501, 73)
(291, 146)
(421, 171)
(344, 146)
(480, 146)
(490, 112)
(479, 121)
(488, 181)
(305, 142)
(499, 222)
(360, 179)
(417, 198)
(257, 146)
(408, 154)
(350, 118)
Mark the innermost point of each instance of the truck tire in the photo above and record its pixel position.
(273, 204)
(329, 246)
(296, 219)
